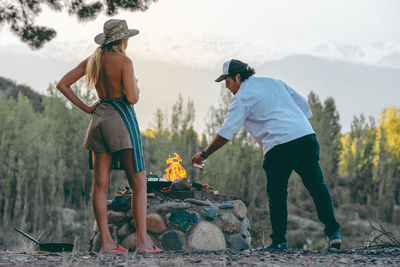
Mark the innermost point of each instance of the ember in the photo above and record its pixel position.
(175, 170)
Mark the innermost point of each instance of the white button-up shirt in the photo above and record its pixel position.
(272, 112)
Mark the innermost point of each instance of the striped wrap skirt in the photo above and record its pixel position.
(114, 127)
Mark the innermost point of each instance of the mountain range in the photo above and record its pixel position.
(357, 88)
(11, 89)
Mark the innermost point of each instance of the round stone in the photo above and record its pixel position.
(206, 236)
(181, 185)
(211, 213)
(121, 203)
(173, 240)
(172, 206)
(125, 230)
(237, 242)
(129, 242)
(129, 214)
(198, 202)
(230, 224)
(248, 240)
(226, 206)
(155, 223)
(115, 216)
(182, 219)
(239, 209)
(245, 225)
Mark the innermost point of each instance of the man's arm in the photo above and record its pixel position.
(301, 102)
(237, 113)
(215, 144)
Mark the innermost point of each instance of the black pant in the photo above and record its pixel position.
(302, 156)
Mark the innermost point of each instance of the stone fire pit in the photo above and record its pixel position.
(182, 219)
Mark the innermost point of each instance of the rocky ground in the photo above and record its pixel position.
(255, 257)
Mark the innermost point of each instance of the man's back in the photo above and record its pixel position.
(272, 112)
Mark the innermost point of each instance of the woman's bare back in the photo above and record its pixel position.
(110, 82)
(116, 80)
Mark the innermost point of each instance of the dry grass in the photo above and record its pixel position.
(380, 238)
(23, 244)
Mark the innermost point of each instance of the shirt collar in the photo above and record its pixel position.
(245, 83)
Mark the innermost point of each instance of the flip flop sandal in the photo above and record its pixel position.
(155, 250)
(119, 249)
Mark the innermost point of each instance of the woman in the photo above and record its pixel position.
(113, 127)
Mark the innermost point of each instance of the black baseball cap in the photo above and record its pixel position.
(231, 67)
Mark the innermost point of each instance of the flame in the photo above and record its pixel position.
(175, 170)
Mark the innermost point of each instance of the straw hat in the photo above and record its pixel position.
(113, 30)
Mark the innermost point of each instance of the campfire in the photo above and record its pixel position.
(175, 170)
(180, 215)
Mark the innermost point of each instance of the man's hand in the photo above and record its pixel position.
(215, 144)
(197, 159)
(93, 107)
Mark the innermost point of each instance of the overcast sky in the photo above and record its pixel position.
(205, 33)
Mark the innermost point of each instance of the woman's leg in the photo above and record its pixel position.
(101, 182)
(138, 183)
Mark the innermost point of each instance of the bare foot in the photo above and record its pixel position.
(155, 249)
(109, 246)
(145, 245)
(119, 249)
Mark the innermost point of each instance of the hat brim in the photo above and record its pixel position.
(221, 78)
(99, 39)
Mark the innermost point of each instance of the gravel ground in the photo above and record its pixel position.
(255, 257)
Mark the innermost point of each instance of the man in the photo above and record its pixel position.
(277, 117)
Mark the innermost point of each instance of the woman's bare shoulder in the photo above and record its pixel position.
(116, 56)
(126, 62)
(116, 61)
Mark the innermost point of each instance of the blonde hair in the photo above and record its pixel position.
(94, 63)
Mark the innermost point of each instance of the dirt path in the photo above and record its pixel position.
(256, 257)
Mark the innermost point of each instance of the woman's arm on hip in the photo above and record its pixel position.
(64, 86)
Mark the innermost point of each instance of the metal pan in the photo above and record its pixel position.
(49, 247)
(156, 184)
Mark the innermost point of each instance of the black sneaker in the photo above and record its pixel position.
(281, 246)
(334, 241)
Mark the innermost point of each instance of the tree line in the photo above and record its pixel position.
(44, 169)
